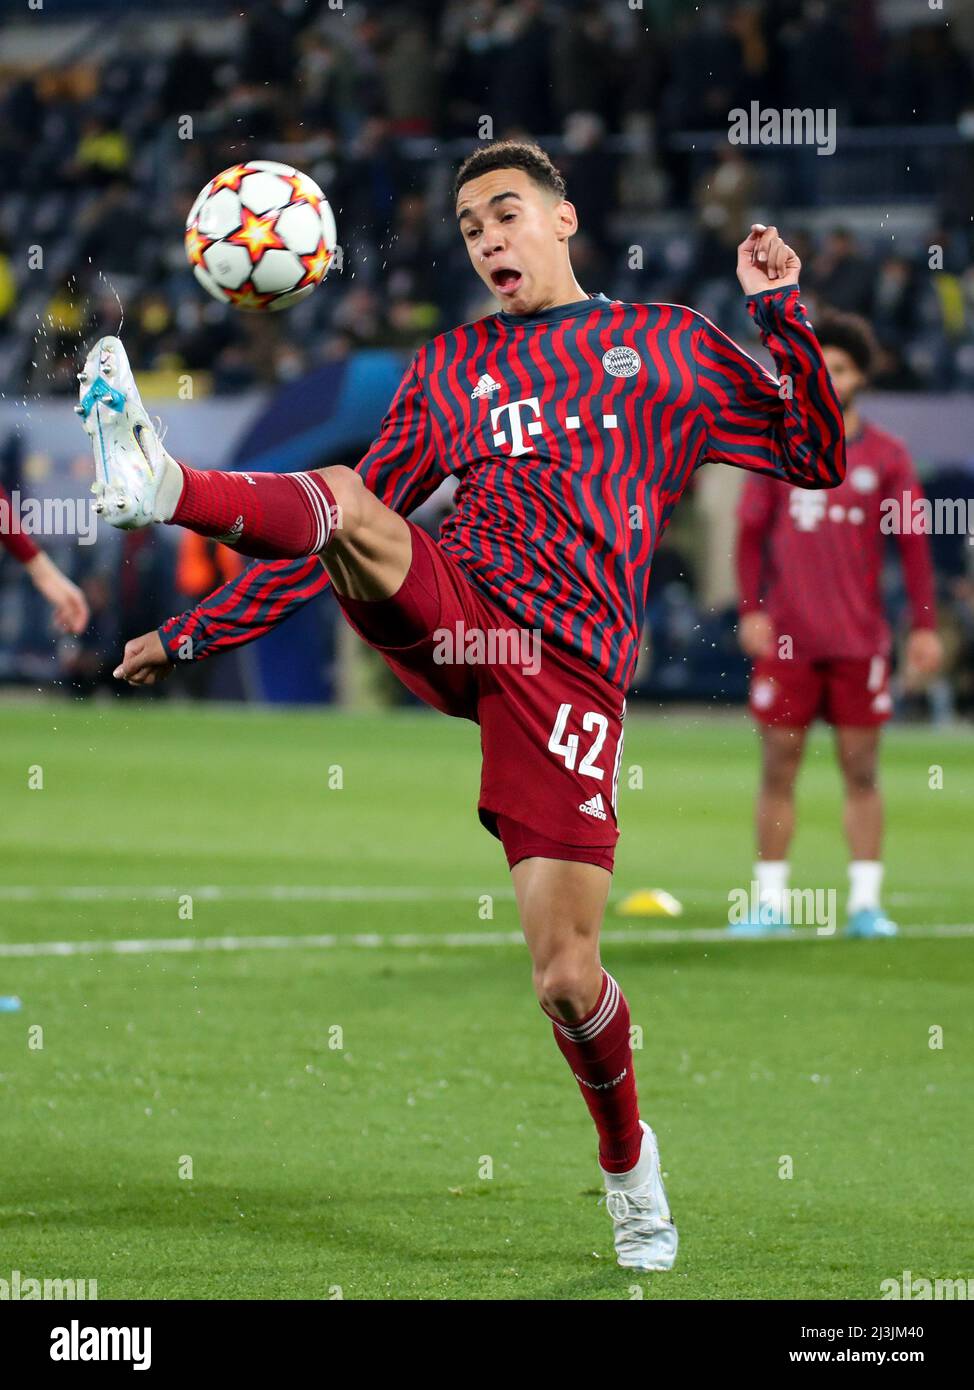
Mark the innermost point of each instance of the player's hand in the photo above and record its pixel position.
(924, 652)
(144, 661)
(765, 262)
(756, 635)
(69, 605)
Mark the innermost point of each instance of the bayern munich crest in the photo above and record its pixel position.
(622, 361)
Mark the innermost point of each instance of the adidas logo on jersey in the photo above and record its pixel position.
(484, 386)
(595, 807)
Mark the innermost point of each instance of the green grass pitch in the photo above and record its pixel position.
(320, 1169)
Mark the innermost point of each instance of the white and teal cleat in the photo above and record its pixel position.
(767, 921)
(645, 1236)
(870, 922)
(136, 481)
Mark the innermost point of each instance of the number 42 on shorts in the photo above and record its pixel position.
(568, 749)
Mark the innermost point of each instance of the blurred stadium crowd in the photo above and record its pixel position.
(377, 100)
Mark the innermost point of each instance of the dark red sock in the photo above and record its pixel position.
(267, 515)
(598, 1050)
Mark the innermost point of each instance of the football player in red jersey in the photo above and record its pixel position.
(573, 423)
(812, 620)
(68, 604)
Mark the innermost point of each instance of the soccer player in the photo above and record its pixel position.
(68, 603)
(573, 423)
(818, 635)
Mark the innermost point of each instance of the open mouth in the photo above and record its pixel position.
(506, 282)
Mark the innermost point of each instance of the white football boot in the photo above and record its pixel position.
(136, 481)
(645, 1236)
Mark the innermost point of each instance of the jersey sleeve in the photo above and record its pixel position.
(901, 482)
(21, 547)
(789, 426)
(402, 467)
(755, 517)
(243, 609)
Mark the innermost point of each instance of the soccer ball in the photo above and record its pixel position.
(260, 235)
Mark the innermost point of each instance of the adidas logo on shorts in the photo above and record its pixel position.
(595, 807)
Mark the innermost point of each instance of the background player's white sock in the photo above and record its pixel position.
(865, 881)
(771, 876)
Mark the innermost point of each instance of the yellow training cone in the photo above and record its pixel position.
(650, 902)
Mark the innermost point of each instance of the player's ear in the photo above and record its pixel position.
(566, 220)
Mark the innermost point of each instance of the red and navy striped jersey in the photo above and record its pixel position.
(572, 434)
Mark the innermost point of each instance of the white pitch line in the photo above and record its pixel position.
(646, 936)
(316, 892)
(213, 892)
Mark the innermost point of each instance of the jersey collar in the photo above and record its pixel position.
(563, 311)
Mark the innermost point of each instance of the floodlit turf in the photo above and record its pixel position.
(339, 1104)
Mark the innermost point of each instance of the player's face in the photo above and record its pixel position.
(847, 379)
(517, 238)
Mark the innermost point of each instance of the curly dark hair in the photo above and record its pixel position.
(511, 154)
(849, 333)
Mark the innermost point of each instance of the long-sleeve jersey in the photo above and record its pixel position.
(572, 434)
(814, 563)
(13, 540)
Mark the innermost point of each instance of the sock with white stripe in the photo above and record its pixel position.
(268, 515)
(598, 1050)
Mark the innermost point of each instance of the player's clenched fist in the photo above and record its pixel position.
(924, 652)
(144, 661)
(765, 262)
(756, 635)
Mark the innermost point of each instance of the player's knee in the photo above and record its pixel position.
(350, 494)
(860, 778)
(780, 769)
(780, 775)
(562, 986)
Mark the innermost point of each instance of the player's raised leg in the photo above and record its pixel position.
(561, 904)
(782, 747)
(858, 753)
(268, 515)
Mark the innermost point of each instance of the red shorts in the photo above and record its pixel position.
(851, 693)
(550, 725)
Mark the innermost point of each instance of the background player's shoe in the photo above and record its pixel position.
(645, 1236)
(768, 922)
(869, 921)
(131, 465)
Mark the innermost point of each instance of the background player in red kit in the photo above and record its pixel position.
(68, 603)
(812, 619)
(573, 423)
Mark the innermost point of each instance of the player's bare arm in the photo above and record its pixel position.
(69, 607)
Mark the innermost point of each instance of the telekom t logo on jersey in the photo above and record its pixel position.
(521, 426)
(513, 409)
